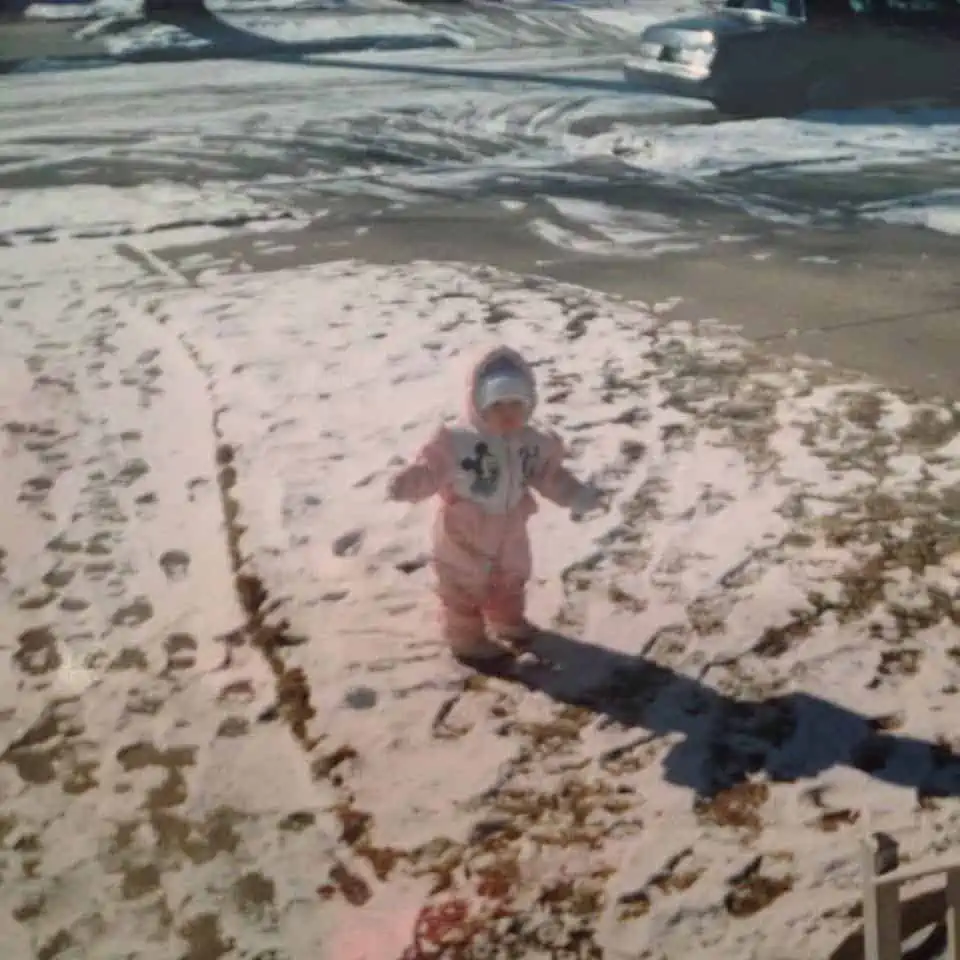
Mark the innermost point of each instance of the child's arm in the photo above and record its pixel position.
(429, 471)
(557, 483)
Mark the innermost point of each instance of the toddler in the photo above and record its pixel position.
(482, 469)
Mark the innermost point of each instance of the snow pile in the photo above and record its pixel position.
(600, 229)
(630, 16)
(330, 33)
(351, 28)
(750, 658)
(635, 18)
(825, 141)
(132, 9)
(723, 159)
(939, 211)
(92, 210)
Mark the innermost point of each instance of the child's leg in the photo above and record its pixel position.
(505, 610)
(461, 619)
(505, 605)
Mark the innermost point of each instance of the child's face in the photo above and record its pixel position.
(505, 416)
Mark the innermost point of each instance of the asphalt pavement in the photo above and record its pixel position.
(878, 299)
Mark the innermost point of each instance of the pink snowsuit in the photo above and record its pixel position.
(481, 548)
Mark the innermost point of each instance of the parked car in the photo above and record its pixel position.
(779, 57)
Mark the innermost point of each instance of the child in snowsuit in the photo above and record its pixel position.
(483, 468)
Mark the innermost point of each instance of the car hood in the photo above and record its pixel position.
(724, 22)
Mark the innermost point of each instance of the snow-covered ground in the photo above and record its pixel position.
(594, 228)
(227, 728)
(828, 141)
(528, 103)
(939, 210)
(102, 9)
(626, 15)
(122, 30)
(92, 210)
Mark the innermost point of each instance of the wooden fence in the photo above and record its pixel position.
(883, 877)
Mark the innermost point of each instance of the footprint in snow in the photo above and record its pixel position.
(366, 480)
(348, 544)
(361, 698)
(175, 564)
(334, 596)
(413, 564)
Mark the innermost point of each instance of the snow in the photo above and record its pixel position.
(631, 13)
(226, 725)
(227, 718)
(826, 141)
(330, 33)
(531, 93)
(601, 229)
(635, 18)
(709, 157)
(120, 776)
(131, 9)
(91, 210)
(122, 32)
(939, 211)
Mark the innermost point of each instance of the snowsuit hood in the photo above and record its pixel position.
(496, 363)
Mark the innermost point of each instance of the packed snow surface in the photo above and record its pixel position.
(227, 723)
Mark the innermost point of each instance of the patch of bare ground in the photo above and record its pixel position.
(752, 889)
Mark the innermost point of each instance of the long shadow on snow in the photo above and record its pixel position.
(228, 42)
(469, 73)
(798, 735)
(934, 116)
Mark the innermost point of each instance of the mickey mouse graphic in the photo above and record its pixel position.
(485, 469)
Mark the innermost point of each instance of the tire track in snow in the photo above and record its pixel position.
(375, 136)
(393, 147)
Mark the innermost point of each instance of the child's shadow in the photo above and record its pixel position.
(789, 737)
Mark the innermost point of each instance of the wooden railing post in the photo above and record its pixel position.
(952, 898)
(881, 902)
